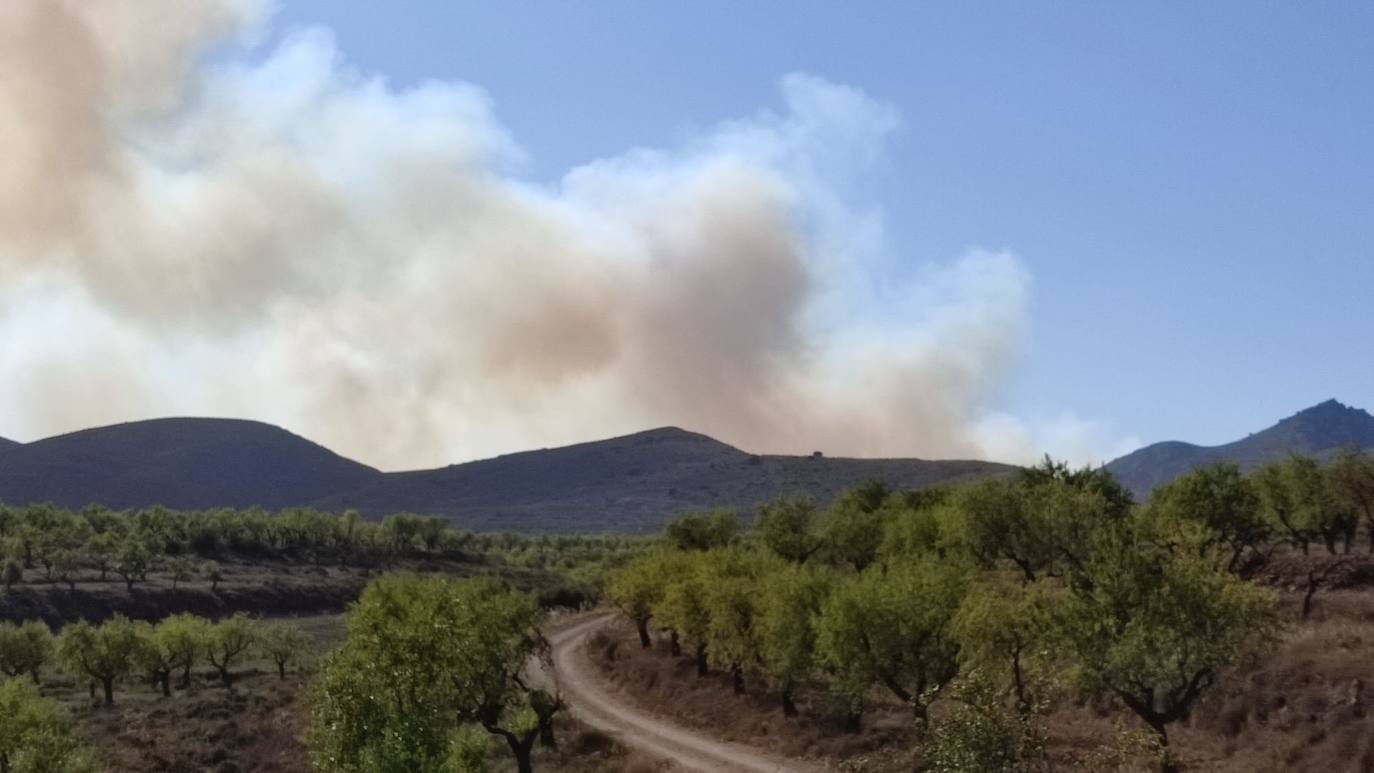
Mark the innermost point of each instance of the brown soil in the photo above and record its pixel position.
(1308, 707)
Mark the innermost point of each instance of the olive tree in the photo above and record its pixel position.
(103, 653)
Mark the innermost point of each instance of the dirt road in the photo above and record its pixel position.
(601, 709)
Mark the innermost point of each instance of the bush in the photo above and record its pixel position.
(982, 734)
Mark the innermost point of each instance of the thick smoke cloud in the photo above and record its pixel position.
(191, 224)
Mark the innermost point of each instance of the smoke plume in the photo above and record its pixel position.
(194, 223)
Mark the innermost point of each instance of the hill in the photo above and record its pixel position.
(631, 484)
(6, 444)
(179, 463)
(1319, 430)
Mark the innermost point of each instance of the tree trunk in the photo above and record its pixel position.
(281, 670)
(643, 626)
(702, 670)
(1312, 583)
(789, 708)
(737, 679)
(108, 684)
(853, 720)
(186, 676)
(34, 674)
(165, 678)
(674, 646)
(1166, 760)
(546, 736)
(225, 676)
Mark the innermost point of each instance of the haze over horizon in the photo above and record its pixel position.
(215, 208)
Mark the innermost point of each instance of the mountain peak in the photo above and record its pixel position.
(1317, 431)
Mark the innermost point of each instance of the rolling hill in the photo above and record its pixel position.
(630, 484)
(179, 463)
(1319, 430)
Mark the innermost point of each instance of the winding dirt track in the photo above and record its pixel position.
(636, 729)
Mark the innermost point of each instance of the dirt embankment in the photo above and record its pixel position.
(594, 703)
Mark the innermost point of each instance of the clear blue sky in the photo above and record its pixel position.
(1191, 185)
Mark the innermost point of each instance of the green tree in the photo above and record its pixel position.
(185, 638)
(103, 653)
(681, 607)
(854, 526)
(211, 571)
(1156, 626)
(636, 588)
(35, 735)
(1003, 632)
(422, 658)
(100, 552)
(283, 643)
(1351, 476)
(892, 626)
(227, 641)
(11, 573)
(25, 649)
(732, 581)
(788, 527)
(702, 531)
(154, 658)
(1275, 486)
(133, 561)
(183, 569)
(993, 522)
(789, 601)
(1225, 503)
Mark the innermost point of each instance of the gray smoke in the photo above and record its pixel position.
(273, 234)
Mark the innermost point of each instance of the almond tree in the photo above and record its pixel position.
(25, 649)
(1157, 625)
(103, 653)
(227, 641)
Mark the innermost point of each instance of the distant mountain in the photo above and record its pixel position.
(6, 444)
(179, 463)
(1319, 430)
(631, 484)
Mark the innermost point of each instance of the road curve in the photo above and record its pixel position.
(593, 705)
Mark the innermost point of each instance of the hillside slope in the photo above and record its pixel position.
(179, 463)
(7, 444)
(1319, 430)
(630, 484)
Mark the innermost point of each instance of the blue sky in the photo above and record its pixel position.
(1190, 185)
